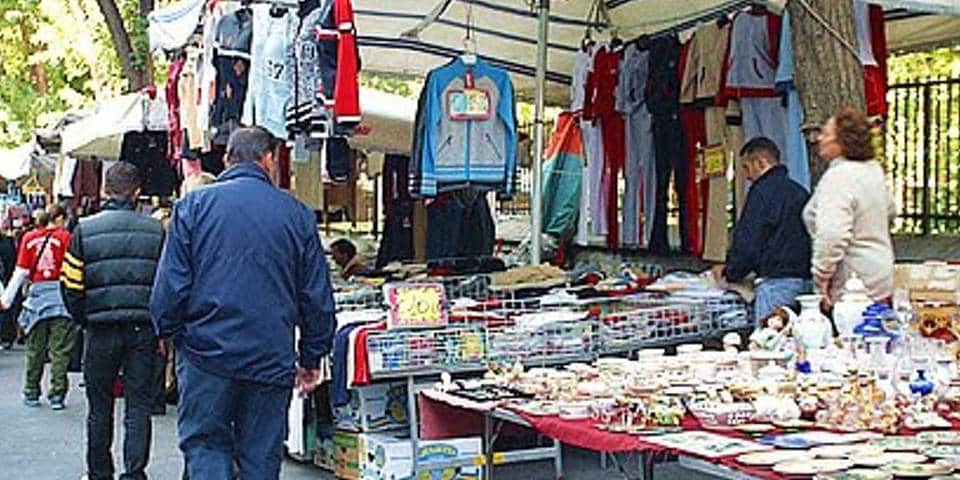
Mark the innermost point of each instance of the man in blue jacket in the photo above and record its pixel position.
(241, 268)
(770, 238)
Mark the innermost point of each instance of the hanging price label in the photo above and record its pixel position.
(415, 305)
(715, 161)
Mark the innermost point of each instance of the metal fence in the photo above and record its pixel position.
(923, 155)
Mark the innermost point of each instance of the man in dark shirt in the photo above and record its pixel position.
(770, 239)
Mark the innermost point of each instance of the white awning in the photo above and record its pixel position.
(414, 36)
(389, 119)
(15, 163)
(100, 134)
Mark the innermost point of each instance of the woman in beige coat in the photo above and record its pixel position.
(849, 214)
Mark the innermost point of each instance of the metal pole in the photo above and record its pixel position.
(536, 210)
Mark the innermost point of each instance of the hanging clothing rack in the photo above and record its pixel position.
(698, 19)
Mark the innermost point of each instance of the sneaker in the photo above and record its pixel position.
(31, 401)
(57, 402)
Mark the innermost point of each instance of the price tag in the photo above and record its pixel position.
(715, 161)
(469, 104)
(415, 305)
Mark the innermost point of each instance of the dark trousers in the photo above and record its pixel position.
(222, 418)
(670, 152)
(110, 350)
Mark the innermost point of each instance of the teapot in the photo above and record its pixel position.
(848, 312)
(811, 328)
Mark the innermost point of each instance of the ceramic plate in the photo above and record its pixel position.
(949, 437)
(856, 474)
(789, 442)
(888, 458)
(941, 451)
(845, 451)
(806, 467)
(916, 470)
(766, 459)
(955, 476)
(951, 463)
(794, 424)
(753, 428)
(898, 444)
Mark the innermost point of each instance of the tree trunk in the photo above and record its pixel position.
(37, 69)
(137, 77)
(828, 75)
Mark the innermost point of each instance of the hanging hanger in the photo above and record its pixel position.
(278, 10)
(32, 185)
(615, 42)
(723, 20)
(758, 8)
(469, 56)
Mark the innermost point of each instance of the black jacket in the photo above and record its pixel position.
(770, 238)
(107, 274)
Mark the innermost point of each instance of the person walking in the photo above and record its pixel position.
(241, 269)
(107, 278)
(44, 317)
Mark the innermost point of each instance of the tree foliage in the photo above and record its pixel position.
(57, 56)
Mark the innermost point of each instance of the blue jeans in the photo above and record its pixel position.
(777, 292)
(222, 418)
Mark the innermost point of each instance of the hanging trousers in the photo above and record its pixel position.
(614, 149)
(592, 175)
(640, 172)
(694, 135)
(671, 160)
(715, 236)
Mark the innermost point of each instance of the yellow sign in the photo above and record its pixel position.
(715, 161)
(416, 305)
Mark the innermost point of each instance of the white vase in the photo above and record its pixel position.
(811, 328)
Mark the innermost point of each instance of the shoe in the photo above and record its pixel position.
(31, 402)
(57, 402)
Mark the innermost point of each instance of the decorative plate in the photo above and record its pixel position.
(845, 451)
(951, 437)
(955, 476)
(888, 458)
(794, 424)
(802, 467)
(856, 474)
(766, 459)
(790, 442)
(753, 428)
(916, 470)
(899, 444)
(942, 451)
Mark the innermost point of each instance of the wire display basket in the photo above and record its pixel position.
(399, 352)
(542, 343)
(651, 324)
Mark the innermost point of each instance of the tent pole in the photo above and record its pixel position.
(536, 202)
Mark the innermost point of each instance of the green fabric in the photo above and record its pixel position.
(57, 336)
(561, 193)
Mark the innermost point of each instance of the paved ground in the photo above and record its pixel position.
(40, 444)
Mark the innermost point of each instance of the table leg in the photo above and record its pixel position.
(558, 459)
(488, 446)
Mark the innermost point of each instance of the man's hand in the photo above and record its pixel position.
(3, 306)
(161, 347)
(717, 271)
(821, 286)
(307, 380)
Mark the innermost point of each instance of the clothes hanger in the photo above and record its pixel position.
(278, 10)
(615, 42)
(469, 56)
(586, 43)
(723, 20)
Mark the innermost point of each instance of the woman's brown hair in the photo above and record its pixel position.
(853, 134)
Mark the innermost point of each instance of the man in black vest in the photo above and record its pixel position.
(106, 280)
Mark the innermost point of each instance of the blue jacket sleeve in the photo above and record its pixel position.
(428, 176)
(507, 111)
(748, 236)
(174, 279)
(316, 305)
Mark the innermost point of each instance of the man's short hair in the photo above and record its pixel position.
(345, 246)
(122, 180)
(249, 145)
(55, 211)
(764, 147)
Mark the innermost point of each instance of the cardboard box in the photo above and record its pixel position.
(391, 458)
(379, 407)
(348, 452)
(323, 453)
